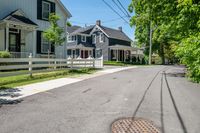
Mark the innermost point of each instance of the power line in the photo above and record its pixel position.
(104, 21)
(124, 8)
(114, 10)
(112, 20)
(119, 8)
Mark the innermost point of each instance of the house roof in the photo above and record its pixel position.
(111, 33)
(72, 29)
(18, 16)
(83, 30)
(118, 46)
(116, 34)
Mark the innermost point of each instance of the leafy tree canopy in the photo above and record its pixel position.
(54, 34)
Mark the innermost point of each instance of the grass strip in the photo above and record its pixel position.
(14, 81)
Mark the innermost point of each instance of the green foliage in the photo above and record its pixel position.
(189, 53)
(176, 26)
(5, 54)
(54, 33)
(69, 24)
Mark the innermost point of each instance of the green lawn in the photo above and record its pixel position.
(115, 63)
(14, 81)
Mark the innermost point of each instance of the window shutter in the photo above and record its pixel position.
(53, 7)
(39, 33)
(39, 9)
(52, 48)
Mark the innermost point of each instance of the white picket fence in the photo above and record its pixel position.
(36, 65)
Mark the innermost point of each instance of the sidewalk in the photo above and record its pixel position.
(28, 90)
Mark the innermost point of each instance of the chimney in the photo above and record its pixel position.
(98, 22)
(120, 29)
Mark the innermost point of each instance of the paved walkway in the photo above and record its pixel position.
(28, 90)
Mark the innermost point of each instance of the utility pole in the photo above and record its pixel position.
(150, 44)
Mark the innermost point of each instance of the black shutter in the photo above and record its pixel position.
(39, 34)
(53, 7)
(39, 9)
(52, 48)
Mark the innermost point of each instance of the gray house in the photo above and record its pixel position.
(98, 40)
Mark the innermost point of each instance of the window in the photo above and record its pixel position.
(46, 9)
(45, 45)
(94, 39)
(71, 38)
(101, 38)
(83, 38)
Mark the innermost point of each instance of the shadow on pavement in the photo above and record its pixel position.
(6, 93)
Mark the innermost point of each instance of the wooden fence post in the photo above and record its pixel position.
(55, 64)
(94, 62)
(30, 65)
(72, 62)
(101, 61)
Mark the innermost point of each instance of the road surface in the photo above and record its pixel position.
(157, 93)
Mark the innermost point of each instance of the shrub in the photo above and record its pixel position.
(189, 54)
(5, 54)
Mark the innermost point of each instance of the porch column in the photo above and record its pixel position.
(34, 42)
(7, 37)
(117, 55)
(80, 53)
(71, 53)
(124, 56)
(75, 54)
(83, 53)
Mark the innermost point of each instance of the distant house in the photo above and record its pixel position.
(22, 23)
(98, 40)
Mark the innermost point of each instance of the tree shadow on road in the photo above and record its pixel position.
(8, 93)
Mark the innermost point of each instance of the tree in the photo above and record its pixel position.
(54, 33)
(69, 24)
(153, 15)
(177, 29)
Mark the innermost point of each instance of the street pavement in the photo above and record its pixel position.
(158, 93)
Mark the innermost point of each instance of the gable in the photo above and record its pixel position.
(100, 29)
(63, 8)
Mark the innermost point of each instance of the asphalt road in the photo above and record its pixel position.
(92, 105)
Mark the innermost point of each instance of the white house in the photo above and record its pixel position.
(22, 23)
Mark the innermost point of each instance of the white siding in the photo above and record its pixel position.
(29, 7)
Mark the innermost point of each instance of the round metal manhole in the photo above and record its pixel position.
(134, 125)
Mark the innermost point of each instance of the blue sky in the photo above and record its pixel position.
(88, 11)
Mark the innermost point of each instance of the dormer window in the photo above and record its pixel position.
(83, 38)
(46, 10)
(93, 38)
(101, 38)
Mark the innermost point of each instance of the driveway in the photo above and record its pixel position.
(157, 93)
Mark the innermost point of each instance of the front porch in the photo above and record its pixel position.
(120, 53)
(80, 51)
(18, 35)
(83, 53)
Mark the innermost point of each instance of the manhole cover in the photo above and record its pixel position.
(130, 125)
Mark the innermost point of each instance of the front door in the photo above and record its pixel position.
(14, 42)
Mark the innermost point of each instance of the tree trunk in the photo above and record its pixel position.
(162, 53)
